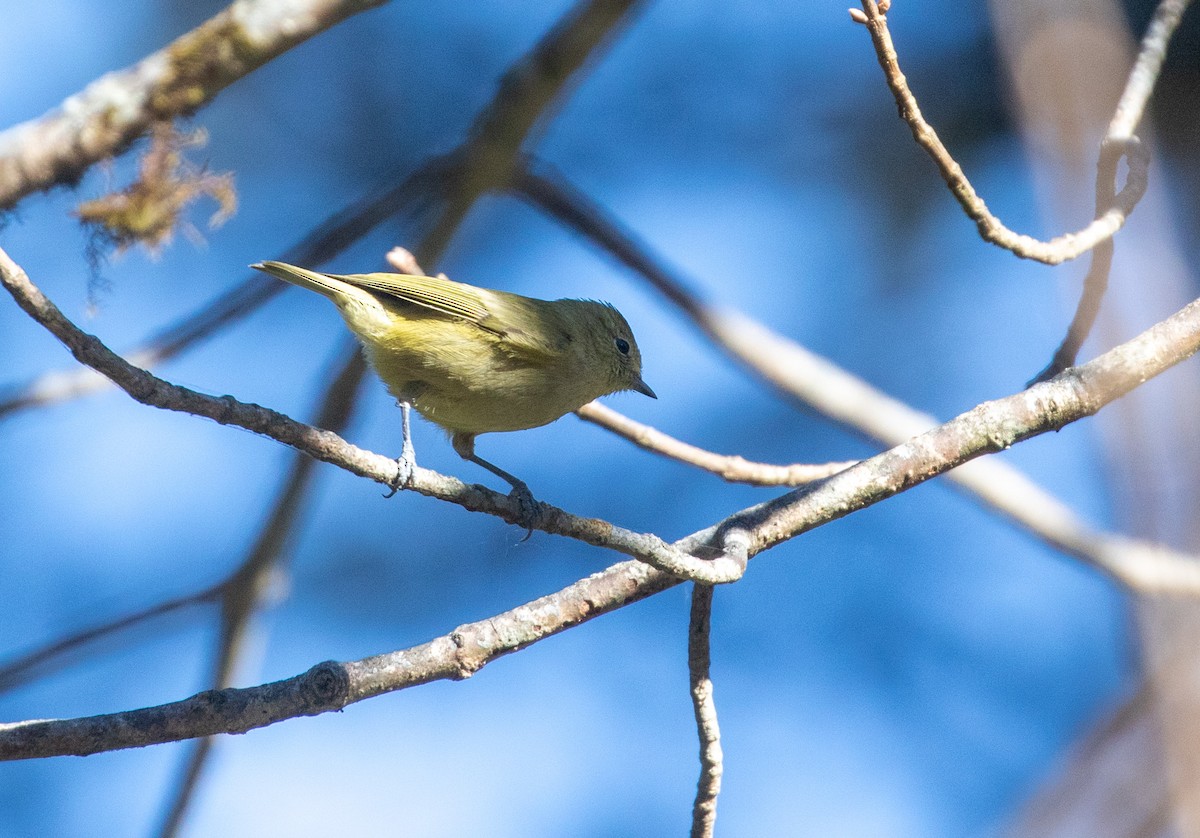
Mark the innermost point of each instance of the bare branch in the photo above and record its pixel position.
(733, 468)
(332, 686)
(994, 426)
(105, 117)
(704, 809)
(1057, 250)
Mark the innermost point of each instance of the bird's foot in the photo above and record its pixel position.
(530, 508)
(406, 465)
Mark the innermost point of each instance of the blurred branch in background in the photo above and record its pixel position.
(105, 117)
(243, 594)
(1066, 64)
(43, 661)
(1091, 793)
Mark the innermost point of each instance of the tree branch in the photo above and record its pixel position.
(104, 118)
(21, 670)
(1118, 138)
(733, 468)
(704, 809)
(331, 448)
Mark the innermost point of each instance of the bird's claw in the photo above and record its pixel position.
(530, 508)
(405, 467)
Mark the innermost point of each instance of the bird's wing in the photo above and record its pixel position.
(441, 295)
(526, 327)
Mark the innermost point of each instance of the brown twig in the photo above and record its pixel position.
(733, 468)
(1118, 139)
(1053, 252)
(704, 809)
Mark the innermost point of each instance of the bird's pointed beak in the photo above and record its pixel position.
(643, 388)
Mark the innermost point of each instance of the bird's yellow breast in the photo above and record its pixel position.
(468, 379)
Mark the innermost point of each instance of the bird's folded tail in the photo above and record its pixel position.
(303, 277)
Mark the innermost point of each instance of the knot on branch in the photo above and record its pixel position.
(325, 686)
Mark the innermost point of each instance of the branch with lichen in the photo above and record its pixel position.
(149, 210)
(104, 118)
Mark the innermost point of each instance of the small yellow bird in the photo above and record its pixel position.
(477, 361)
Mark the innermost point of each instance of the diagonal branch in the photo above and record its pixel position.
(36, 663)
(104, 118)
(331, 448)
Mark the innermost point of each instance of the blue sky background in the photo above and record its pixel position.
(913, 670)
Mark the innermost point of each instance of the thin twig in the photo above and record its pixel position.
(704, 809)
(105, 117)
(822, 386)
(1117, 139)
(1057, 250)
(733, 468)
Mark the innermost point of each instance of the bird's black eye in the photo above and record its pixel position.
(622, 346)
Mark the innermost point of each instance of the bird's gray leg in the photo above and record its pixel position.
(407, 461)
(531, 510)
